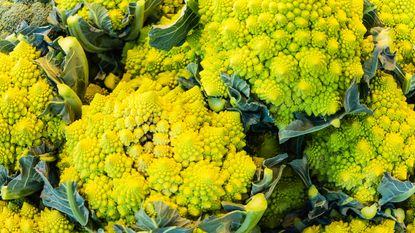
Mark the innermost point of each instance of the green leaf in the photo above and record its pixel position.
(352, 103)
(344, 203)
(269, 178)
(393, 190)
(137, 11)
(167, 219)
(319, 203)
(238, 221)
(236, 83)
(58, 106)
(254, 114)
(122, 229)
(165, 37)
(370, 17)
(64, 198)
(304, 125)
(92, 39)
(99, 16)
(7, 46)
(26, 183)
(75, 71)
(226, 223)
(4, 175)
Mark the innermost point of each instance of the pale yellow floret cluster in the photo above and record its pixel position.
(354, 226)
(29, 219)
(355, 156)
(299, 56)
(146, 142)
(24, 95)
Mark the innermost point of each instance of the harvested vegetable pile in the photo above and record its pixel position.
(205, 116)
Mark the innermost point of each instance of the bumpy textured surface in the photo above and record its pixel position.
(12, 14)
(354, 226)
(26, 218)
(299, 56)
(117, 9)
(355, 156)
(145, 61)
(289, 194)
(24, 94)
(144, 139)
(399, 16)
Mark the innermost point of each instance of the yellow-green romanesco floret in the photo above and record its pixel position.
(166, 67)
(290, 194)
(24, 95)
(356, 155)
(147, 138)
(399, 15)
(26, 218)
(354, 226)
(298, 56)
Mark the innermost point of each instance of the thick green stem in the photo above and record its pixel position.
(254, 211)
(72, 204)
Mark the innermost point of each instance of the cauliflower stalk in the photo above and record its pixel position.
(149, 142)
(355, 156)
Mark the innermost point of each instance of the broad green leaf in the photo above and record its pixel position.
(58, 106)
(75, 70)
(300, 166)
(145, 222)
(226, 223)
(304, 125)
(165, 37)
(370, 17)
(344, 203)
(7, 46)
(4, 175)
(352, 103)
(235, 82)
(166, 219)
(92, 39)
(26, 183)
(122, 229)
(64, 198)
(270, 176)
(393, 190)
(99, 16)
(319, 203)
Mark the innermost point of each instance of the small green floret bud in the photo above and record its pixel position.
(399, 214)
(369, 212)
(312, 192)
(335, 123)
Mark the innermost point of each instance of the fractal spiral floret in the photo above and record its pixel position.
(355, 156)
(24, 95)
(299, 56)
(157, 143)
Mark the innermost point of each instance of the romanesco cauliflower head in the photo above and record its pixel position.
(290, 194)
(356, 155)
(146, 138)
(354, 226)
(26, 218)
(24, 95)
(399, 16)
(299, 56)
